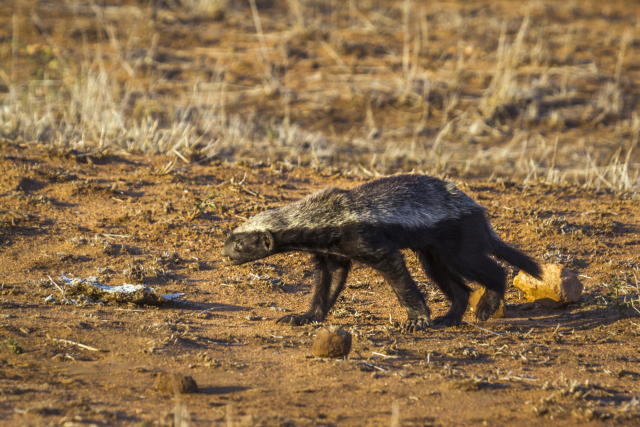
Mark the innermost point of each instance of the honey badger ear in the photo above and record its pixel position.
(267, 240)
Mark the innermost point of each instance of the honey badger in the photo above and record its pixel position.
(370, 224)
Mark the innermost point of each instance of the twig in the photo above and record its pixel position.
(181, 168)
(86, 347)
(205, 311)
(385, 355)
(115, 235)
(101, 149)
(482, 329)
(168, 168)
(177, 153)
(511, 377)
(327, 47)
(251, 193)
(369, 365)
(128, 309)
(59, 288)
(395, 407)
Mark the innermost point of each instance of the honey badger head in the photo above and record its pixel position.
(241, 247)
(253, 240)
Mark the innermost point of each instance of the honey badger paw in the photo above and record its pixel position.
(418, 324)
(483, 312)
(295, 320)
(453, 317)
(447, 321)
(487, 305)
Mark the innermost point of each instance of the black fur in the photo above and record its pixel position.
(455, 245)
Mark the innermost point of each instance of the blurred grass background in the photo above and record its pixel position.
(511, 90)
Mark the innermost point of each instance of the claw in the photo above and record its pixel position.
(417, 325)
(483, 312)
(482, 317)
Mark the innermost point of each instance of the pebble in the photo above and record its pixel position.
(170, 383)
(333, 342)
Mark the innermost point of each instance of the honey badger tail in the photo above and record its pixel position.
(515, 257)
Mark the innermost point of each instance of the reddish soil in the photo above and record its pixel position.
(64, 215)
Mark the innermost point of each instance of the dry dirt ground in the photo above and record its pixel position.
(118, 218)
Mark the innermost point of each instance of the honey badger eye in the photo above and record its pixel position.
(238, 246)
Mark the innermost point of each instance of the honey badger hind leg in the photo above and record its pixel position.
(392, 267)
(330, 278)
(493, 278)
(451, 284)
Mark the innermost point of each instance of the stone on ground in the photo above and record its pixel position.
(170, 383)
(332, 341)
(474, 298)
(558, 287)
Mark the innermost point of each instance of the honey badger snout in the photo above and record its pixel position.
(225, 252)
(248, 246)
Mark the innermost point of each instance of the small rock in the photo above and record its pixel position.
(332, 341)
(558, 286)
(474, 298)
(170, 383)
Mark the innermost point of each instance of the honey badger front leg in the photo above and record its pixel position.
(390, 264)
(331, 276)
